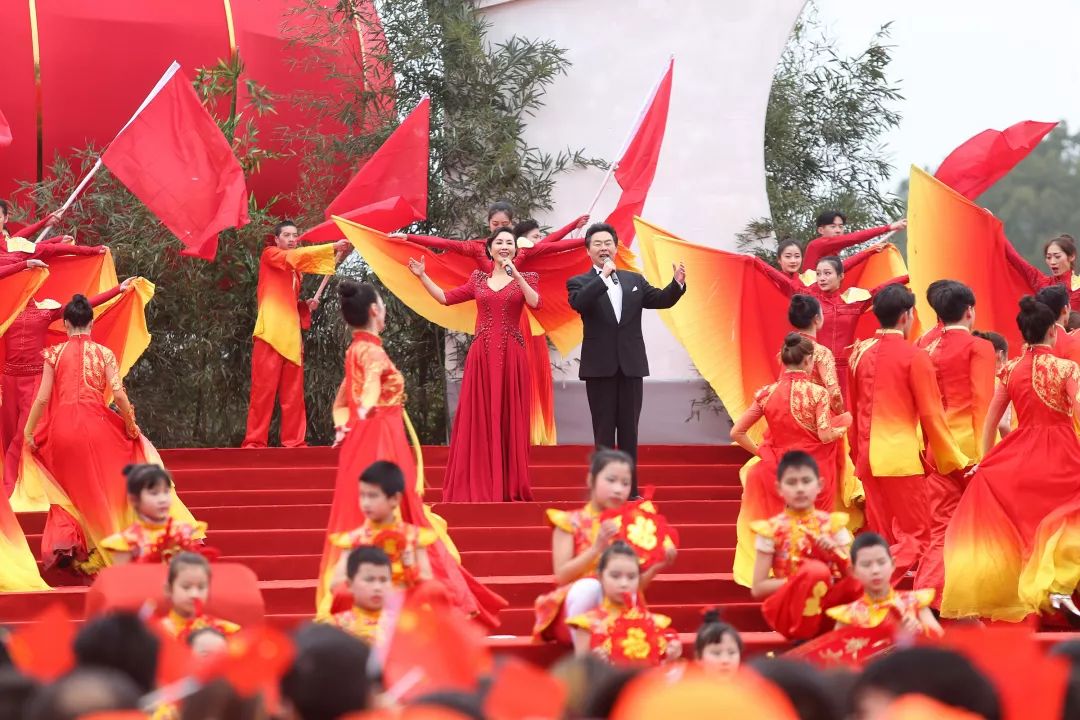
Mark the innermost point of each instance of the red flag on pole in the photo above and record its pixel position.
(173, 157)
(5, 131)
(637, 167)
(391, 189)
(975, 166)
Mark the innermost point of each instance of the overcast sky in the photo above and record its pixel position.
(966, 65)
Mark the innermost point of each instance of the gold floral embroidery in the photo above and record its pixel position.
(112, 370)
(761, 397)
(859, 349)
(806, 399)
(1049, 376)
(376, 381)
(642, 533)
(813, 603)
(95, 360)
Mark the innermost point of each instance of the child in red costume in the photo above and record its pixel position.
(369, 571)
(806, 552)
(187, 589)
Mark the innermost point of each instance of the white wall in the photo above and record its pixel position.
(711, 177)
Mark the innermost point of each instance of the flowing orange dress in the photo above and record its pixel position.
(1033, 471)
(373, 381)
(82, 448)
(800, 417)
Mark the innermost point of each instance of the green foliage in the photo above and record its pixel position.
(827, 114)
(1036, 200)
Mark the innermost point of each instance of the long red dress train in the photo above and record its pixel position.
(372, 381)
(489, 443)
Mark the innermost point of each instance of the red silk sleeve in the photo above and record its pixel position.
(563, 232)
(462, 293)
(777, 278)
(31, 229)
(821, 247)
(12, 268)
(858, 259)
(468, 248)
(105, 297)
(48, 250)
(1032, 275)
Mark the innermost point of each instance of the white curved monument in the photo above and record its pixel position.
(711, 176)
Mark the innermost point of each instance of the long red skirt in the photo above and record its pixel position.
(489, 444)
(382, 437)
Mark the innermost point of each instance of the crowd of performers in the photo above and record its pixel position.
(932, 462)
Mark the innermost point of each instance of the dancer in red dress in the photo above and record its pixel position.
(799, 418)
(489, 444)
(1060, 254)
(1056, 297)
(24, 343)
(1032, 472)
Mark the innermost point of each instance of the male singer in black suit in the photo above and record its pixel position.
(613, 360)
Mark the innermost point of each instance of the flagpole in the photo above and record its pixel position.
(322, 286)
(629, 136)
(165, 78)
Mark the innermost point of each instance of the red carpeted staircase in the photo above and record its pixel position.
(268, 509)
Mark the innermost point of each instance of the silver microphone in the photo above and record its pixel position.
(509, 272)
(614, 278)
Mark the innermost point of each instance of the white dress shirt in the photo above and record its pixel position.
(614, 293)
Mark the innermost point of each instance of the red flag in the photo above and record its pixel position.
(522, 691)
(975, 166)
(173, 157)
(391, 189)
(5, 131)
(42, 649)
(637, 166)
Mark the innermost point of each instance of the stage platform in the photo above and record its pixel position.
(268, 510)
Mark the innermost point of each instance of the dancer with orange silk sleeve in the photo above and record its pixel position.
(799, 418)
(489, 443)
(965, 369)
(1060, 256)
(24, 343)
(79, 447)
(894, 393)
(369, 415)
(802, 565)
(1031, 473)
(277, 358)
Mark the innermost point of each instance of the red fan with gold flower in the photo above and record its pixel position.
(633, 639)
(172, 541)
(394, 544)
(644, 529)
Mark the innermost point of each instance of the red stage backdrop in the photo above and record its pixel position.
(75, 71)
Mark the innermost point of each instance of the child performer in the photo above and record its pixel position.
(369, 572)
(187, 588)
(964, 367)
(718, 646)
(609, 629)
(894, 393)
(799, 417)
(578, 539)
(873, 567)
(381, 488)
(805, 549)
(154, 537)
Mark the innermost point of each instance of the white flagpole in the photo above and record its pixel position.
(629, 137)
(172, 70)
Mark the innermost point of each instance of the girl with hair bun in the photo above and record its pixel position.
(78, 447)
(1032, 472)
(1060, 256)
(370, 425)
(799, 417)
(804, 314)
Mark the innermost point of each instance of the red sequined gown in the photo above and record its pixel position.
(489, 443)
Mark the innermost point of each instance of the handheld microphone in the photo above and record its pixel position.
(509, 272)
(614, 278)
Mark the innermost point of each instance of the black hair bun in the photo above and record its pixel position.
(712, 615)
(1028, 304)
(792, 339)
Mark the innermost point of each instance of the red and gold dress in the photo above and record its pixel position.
(1036, 279)
(181, 628)
(816, 579)
(372, 381)
(24, 343)
(627, 635)
(397, 539)
(964, 367)
(82, 448)
(896, 607)
(1033, 471)
(583, 526)
(489, 443)
(277, 362)
(799, 417)
(358, 622)
(897, 407)
(156, 542)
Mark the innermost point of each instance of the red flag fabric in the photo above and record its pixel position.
(42, 648)
(173, 157)
(637, 166)
(975, 166)
(391, 189)
(5, 131)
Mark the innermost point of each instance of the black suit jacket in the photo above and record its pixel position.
(610, 346)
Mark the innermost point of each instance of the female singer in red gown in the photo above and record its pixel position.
(81, 446)
(489, 443)
(369, 415)
(1031, 473)
(1060, 254)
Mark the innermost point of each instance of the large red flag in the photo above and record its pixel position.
(391, 189)
(174, 158)
(5, 131)
(986, 158)
(637, 167)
